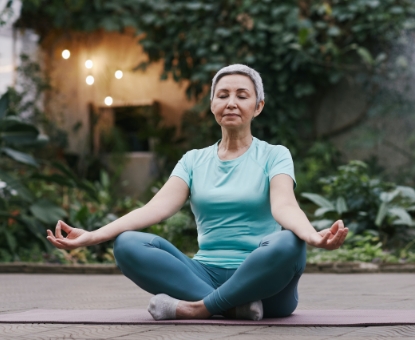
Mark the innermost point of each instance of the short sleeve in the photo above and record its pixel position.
(282, 163)
(183, 169)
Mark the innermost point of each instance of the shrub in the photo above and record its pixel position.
(365, 203)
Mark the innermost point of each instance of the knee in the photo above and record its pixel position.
(124, 244)
(284, 245)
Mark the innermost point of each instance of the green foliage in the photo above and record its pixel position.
(36, 193)
(366, 253)
(320, 160)
(364, 247)
(18, 206)
(365, 203)
(301, 48)
(180, 229)
(15, 133)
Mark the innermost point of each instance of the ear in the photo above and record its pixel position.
(259, 108)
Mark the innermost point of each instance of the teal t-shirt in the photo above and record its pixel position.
(231, 199)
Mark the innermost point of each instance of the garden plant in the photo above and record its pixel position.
(303, 47)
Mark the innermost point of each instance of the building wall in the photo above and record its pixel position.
(386, 131)
(70, 100)
(109, 52)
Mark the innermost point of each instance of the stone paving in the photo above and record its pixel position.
(20, 292)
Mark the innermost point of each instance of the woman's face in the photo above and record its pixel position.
(234, 102)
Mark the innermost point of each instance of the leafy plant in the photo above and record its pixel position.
(35, 194)
(303, 47)
(180, 229)
(18, 205)
(364, 247)
(364, 203)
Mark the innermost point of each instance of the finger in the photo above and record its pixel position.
(341, 238)
(344, 236)
(53, 240)
(325, 239)
(335, 227)
(57, 242)
(63, 243)
(50, 235)
(334, 242)
(65, 227)
(58, 231)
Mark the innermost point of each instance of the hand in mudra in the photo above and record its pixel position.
(330, 238)
(75, 237)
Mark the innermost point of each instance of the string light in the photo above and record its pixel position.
(118, 74)
(108, 101)
(66, 54)
(90, 80)
(89, 63)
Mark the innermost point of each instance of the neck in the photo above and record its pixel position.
(233, 144)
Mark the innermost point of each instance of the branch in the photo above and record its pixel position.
(399, 149)
(350, 125)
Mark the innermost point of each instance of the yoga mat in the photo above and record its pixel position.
(142, 317)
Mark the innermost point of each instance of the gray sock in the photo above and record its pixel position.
(163, 307)
(250, 311)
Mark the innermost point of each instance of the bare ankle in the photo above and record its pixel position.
(192, 310)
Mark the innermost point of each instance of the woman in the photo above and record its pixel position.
(241, 192)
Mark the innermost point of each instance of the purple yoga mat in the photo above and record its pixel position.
(142, 317)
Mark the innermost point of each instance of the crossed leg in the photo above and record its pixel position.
(270, 273)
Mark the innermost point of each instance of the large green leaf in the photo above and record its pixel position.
(20, 157)
(389, 196)
(365, 55)
(382, 211)
(15, 132)
(37, 229)
(321, 211)
(16, 185)
(47, 212)
(11, 240)
(407, 192)
(403, 216)
(319, 200)
(322, 224)
(341, 205)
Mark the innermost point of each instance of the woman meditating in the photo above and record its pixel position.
(241, 193)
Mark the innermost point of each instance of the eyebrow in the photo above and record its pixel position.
(241, 89)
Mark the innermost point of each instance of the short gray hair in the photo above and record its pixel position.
(244, 70)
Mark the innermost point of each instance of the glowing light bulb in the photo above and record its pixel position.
(108, 101)
(90, 80)
(118, 74)
(66, 54)
(89, 63)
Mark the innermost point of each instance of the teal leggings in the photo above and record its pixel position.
(270, 273)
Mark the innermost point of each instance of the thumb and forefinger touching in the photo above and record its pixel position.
(338, 233)
(57, 239)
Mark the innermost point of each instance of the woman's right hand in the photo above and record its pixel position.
(75, 237)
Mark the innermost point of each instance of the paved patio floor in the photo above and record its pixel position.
(20, 292)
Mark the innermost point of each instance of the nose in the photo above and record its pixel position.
(231, 103)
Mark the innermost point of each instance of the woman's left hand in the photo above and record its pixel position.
(330, 238)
